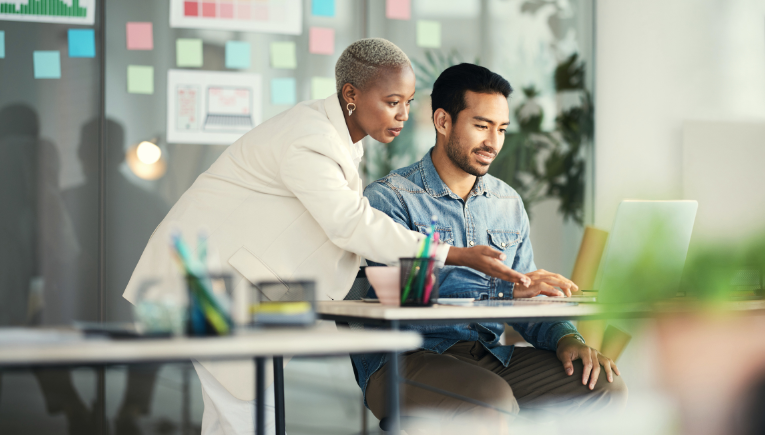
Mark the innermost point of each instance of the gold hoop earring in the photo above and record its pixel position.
(350, 109)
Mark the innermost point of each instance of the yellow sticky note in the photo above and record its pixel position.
(140, 79)
(428, 34)
(322, 87)
(188, 52)
(283, 55)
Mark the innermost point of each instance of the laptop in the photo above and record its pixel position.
(229, 109)
(644, 255)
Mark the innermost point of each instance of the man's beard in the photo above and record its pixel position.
(462, 161)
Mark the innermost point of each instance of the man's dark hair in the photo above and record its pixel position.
(449, 88)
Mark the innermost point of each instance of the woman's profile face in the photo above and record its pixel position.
(383, 106)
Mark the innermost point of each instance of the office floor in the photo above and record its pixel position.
(321, 398)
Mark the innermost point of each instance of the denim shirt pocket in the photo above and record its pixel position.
(445, 234)
(505, 240)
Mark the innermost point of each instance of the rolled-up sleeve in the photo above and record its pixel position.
(347, 218)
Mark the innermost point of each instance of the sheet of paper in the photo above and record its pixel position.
(398, 9)
(237, 54)
(82, 43)
(265, 16)
(187, 107)
(283, 91)
(428, 34)
(188, 52)
(47, 64)
(283, 55)
(49, 11)
(212, 107)
(140, 79)
(140, 36)
(323, 8)
(321, 40)
(2, 44)
(322, 87)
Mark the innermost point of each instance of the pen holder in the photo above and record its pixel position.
(419, 281)
(209, 308)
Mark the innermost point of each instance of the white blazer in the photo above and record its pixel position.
(283, 202)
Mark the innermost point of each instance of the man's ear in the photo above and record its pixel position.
(349, 93)
(443, 121)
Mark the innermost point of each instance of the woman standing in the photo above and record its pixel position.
(285, 202)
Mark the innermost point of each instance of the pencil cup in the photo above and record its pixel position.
(209, 308)
(419, 281)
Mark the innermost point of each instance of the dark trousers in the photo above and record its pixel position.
(533, 384)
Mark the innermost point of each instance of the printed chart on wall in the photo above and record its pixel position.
(211, 108)
(49, 11)
(271, 16)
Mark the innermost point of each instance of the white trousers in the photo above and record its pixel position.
(224, 414)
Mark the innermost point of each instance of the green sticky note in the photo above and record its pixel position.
(322, 87)
(140, 79)
(188, 52)
(428, 34)
(283, 55)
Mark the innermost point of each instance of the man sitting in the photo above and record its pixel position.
(560, 373)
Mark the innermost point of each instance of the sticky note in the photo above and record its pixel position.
(237, 54)
(47, 64)
(321, 40)
(322, 87)
(2, 44)
(82, 43)
(140, 79)
(140, 36)
(428, 34)
(323, 8)
(283, 91)
(188, 52)
(283, 55)
(398, 9)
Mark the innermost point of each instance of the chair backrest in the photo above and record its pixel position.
(358, 290)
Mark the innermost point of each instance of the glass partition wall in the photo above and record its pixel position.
(76, 210)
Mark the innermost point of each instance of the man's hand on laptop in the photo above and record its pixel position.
(545, 283)
(487, 260)
(571, 349)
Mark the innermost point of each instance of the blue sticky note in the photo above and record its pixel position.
(237, 54)
(283, 91)
(323, 8)
(82, 43)
(2, 44)
(47, 64)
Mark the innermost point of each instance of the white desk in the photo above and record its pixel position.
(359, 311)
(72, 348)
(22, 347)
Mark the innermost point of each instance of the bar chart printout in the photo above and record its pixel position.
(49, 11)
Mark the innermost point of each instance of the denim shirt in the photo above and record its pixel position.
(492, 215)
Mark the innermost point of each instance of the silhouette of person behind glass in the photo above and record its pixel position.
(37, 240)
(132, 213)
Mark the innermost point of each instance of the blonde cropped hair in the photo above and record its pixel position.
(363, 59)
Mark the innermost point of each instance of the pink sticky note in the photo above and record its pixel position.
(321, 40)
(398, 9)
(140, 36)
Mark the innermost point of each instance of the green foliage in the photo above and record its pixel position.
(541, 164)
